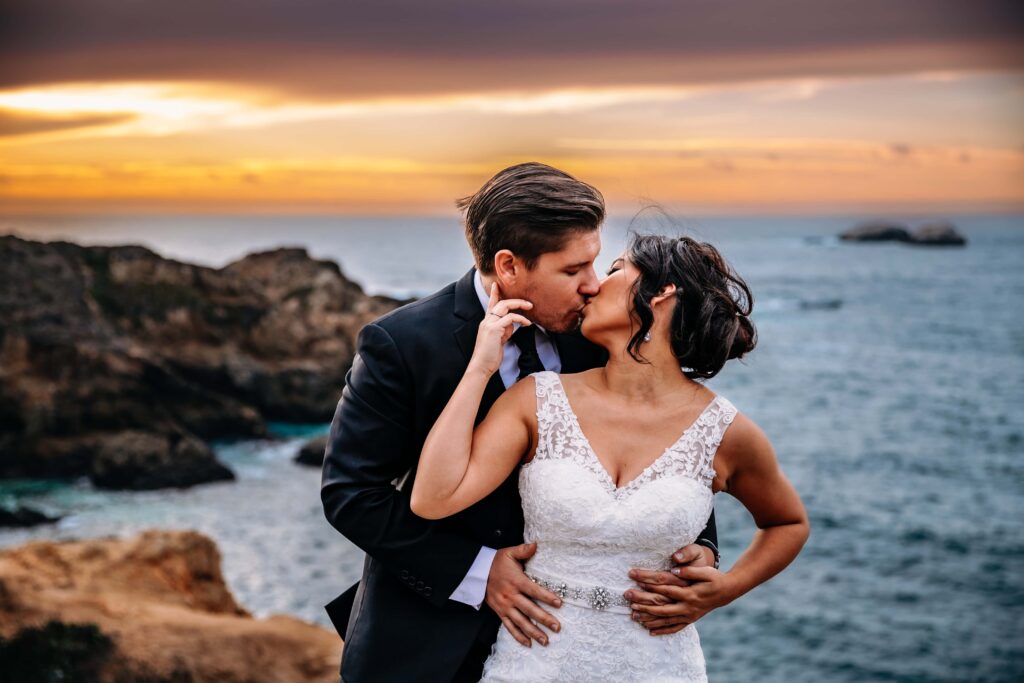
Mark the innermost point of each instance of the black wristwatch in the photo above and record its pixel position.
(714, 549)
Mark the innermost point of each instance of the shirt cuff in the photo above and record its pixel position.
(473, 588)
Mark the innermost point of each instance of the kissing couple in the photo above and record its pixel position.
(528, 457)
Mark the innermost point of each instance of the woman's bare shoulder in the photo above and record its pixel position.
(745, 442)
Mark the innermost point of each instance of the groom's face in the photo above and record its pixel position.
(562, 282)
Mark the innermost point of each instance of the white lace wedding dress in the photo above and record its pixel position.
(590, 533)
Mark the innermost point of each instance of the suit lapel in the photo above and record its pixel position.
(468, 309)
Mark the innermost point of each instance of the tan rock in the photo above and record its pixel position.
(162, 601)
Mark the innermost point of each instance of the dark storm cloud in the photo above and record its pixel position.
(332, 47)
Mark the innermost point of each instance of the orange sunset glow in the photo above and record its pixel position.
(898, 114)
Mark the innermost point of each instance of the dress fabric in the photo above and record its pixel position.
(590, 533)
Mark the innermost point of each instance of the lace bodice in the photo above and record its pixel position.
(590, 533)
(588, 529)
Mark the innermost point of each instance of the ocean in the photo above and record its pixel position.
(889, 378)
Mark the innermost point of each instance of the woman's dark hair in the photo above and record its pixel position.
(529, 209)
(710, 322)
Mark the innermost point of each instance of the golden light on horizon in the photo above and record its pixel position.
(782, 143)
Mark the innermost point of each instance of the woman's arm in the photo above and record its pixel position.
(459, 466)
(752, 475)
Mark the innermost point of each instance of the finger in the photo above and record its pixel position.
(669, 610)
(696, 573)
(523, 551)
(505, 305)
(660, 622)
(527, 627)
(538, 592)
(673, 593)
(539, 616)
(655, 578)
(516, 633)
(516, 318)
(495, 297)
(687, 554)
(509, 318)
(643, 618)
(647, 597)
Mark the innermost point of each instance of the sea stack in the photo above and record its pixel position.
(939, 233)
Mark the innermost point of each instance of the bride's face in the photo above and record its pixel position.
(608, 312)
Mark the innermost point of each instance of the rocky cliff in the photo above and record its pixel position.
(120, 364)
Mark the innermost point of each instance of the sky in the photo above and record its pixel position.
(402, 106)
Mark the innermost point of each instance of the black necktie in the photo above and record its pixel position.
(529, 361)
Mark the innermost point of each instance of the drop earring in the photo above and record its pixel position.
(647, 336)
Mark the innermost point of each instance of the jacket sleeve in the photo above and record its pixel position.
(370, 448)
(710, 532)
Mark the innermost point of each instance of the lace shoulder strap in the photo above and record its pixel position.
(711, 432)
(555, 436)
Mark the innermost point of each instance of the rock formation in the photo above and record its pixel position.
(876, 231)
(938, 234)
(22, 516)
(929, 234)
(153, 608)
(119, 364)
(312, 452)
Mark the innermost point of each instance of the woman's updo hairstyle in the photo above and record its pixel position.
(710, 323)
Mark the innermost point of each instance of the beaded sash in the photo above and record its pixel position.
(584, 595)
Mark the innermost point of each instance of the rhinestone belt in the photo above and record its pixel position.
(585, 595)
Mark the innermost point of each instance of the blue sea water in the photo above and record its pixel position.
(889, 378)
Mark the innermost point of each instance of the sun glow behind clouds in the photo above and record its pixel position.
(760, 142)
(167, 108)
(180, 106)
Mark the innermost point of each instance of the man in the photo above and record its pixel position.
(418, 612)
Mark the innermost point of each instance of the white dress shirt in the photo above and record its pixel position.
(473, 588)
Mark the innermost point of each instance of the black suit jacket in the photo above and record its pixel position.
(397, 622)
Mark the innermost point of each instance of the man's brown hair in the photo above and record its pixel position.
(529, 209)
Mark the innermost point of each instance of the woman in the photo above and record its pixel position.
(609, 481)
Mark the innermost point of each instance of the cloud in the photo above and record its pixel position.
(15, 123)
(901, 149)
(159, 109)
(407, 47)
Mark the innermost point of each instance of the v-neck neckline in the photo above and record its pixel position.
(609, 481)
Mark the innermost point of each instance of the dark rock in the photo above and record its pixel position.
(143, 460)
(939, 234)
(312, 452)
(824, 304)
(24, 517)
(929, 234)
(100, 340)
(56, 651)
(876, 231)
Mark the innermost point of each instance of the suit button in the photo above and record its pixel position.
(427, 591)
(404, 574)
(497, 533)
(419, 585)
